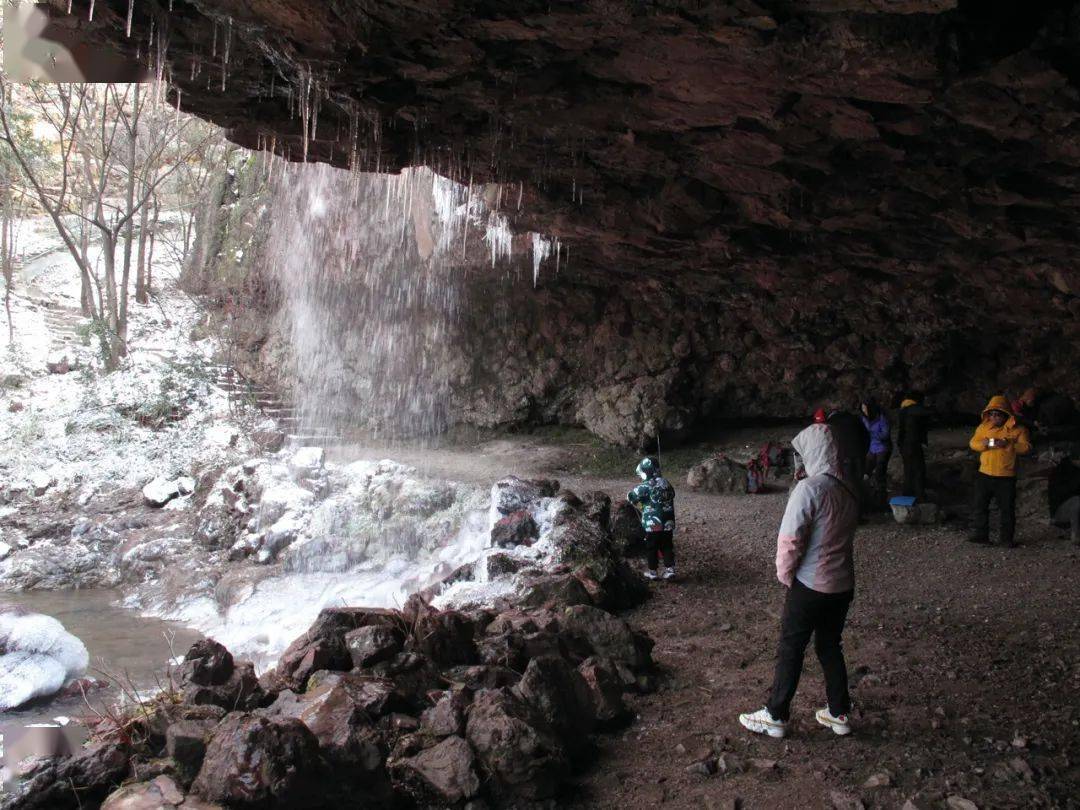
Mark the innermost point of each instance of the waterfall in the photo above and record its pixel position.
(373, 270)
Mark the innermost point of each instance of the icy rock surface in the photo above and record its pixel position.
(37, 656)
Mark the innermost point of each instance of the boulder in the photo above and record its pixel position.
(606, 689)
(554, 590)
(560, 696)
(519, 757)
(322, 646)
(185, 743)
(626, 531)
(597, 508)
(41, 482)
(446, 637)
(718, 474)
(160, 491)
(269, 441)
(88, 776)
(592, 631)
(307, 461)
(373, 644)
(207, 663)
(447, 716)
(241, 691)
(159, 793)
(446, 771)
(58, 363)
(502, 564)
(513, 494)
(516, 529)
(258, 761)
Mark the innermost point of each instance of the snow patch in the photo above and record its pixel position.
(39, 657)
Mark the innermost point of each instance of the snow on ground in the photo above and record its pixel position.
(37, 657)
(86, 429)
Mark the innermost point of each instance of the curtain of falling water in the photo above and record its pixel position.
(371, 267)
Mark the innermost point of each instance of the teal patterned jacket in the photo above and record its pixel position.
(656, 497)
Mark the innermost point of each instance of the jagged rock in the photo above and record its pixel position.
(626, 530)
(447, 716)
(960, 803)
(600, 633)
(555, 590)
(373, 644)
(447, 638)
(447, 770)
(58, 363)
(41, 482)
(241, 691)
(597, 508)
(159, 793)
(185, 743)
(519, 758)
(718, 474)
(605, 690)
(160, 491)
(307, 461)
(503, 565)
(482, 677)
(256, 761)
(208, 663)
(89, 775)
(217, 526)
(561, 697)
(515, 529)
(512, 494)
(269, 441)
(322, 646)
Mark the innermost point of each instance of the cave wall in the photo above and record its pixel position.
(629, 360)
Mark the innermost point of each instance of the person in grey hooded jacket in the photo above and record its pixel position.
(815, 562)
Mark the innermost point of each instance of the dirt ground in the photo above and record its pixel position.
(964, 659)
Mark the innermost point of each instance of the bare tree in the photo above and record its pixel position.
(100, 124)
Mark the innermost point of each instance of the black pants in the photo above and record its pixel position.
(659, 543)
(1003, 490)
(809, 612)
(877, 468)
(914, 470)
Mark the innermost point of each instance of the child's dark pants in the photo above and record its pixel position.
(657, 543)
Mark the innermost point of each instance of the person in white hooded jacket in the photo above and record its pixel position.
(815, 562)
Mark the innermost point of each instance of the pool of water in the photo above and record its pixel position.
(124, 648)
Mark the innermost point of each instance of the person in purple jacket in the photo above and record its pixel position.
(815, 562)
(877, 460)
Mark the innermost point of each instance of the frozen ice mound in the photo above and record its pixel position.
(37, 656)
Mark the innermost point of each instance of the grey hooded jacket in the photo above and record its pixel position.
(816, 540)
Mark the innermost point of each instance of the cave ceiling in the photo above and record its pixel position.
(726, 149)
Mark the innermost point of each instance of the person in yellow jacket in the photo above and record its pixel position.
(998, 440)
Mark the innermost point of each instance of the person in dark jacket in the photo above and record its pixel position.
(853, 442)
(1063, 495)
(876, 422)
(913, 427)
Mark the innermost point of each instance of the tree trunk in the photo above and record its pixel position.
(141, 296)
(122, 314)
(150, 252)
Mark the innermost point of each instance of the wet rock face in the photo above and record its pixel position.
(760, 198)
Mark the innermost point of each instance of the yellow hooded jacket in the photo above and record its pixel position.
(999, 462)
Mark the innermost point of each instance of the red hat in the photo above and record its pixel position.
(819, 416)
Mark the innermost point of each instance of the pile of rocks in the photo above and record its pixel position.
(396, 708)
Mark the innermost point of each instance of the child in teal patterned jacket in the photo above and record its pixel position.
(656, 498)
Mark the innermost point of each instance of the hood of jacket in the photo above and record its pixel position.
(818, 449)
(998, 403)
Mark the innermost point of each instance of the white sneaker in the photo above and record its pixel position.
(650, 574)
(840, 725)
(761, 722)
(669, 573)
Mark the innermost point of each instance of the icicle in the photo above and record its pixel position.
(91, 18)
(69, 6)
(213, 45)
(170, 6)
(131, 12)
(521, 191)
